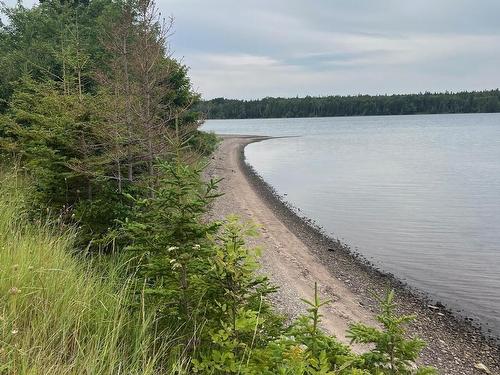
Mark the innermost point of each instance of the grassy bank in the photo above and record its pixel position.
(57, 314)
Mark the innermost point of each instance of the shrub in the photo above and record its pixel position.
(169, 243)
(393, 352)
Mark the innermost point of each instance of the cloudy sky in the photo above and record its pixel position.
(257, 48)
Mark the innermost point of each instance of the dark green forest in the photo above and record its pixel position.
(360, 105)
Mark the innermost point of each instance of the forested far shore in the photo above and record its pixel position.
(360, 105)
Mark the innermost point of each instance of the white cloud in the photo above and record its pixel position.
(223, 61)
(352, 64)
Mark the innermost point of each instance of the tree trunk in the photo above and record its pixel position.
(128, 110)
(119, 177)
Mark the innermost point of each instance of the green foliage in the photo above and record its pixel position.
(239, 320)
(393, 352)
(54, 137)
(204, 143)
(41, 128)
(360, 105)
(305, 349)
(74, 107)
(235, 284)
(52, 41)
(310, 325)
(246, 347)
(169, 241)
(322, 350)
(57, 314)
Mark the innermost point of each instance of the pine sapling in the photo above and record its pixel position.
(393, 353)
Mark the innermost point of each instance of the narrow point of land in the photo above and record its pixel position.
(285, 259)
(296, 256)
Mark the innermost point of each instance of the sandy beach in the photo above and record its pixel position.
(296, 255)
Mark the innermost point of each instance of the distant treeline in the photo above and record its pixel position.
(361, 105)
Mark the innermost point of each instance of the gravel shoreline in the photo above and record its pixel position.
(454, 345)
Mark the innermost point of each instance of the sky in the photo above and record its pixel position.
(255, 48)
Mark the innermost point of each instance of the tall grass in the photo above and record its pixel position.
(57, 314)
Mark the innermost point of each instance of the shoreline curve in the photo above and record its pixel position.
(454, 345)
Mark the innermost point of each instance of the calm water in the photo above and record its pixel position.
(417, 195)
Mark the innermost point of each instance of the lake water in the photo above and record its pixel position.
(419, 196)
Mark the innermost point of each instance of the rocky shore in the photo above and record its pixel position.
(297, 253)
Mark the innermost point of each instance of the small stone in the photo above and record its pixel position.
(482, 367)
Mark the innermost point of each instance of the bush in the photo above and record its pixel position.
(393, 352)
(169, 243)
